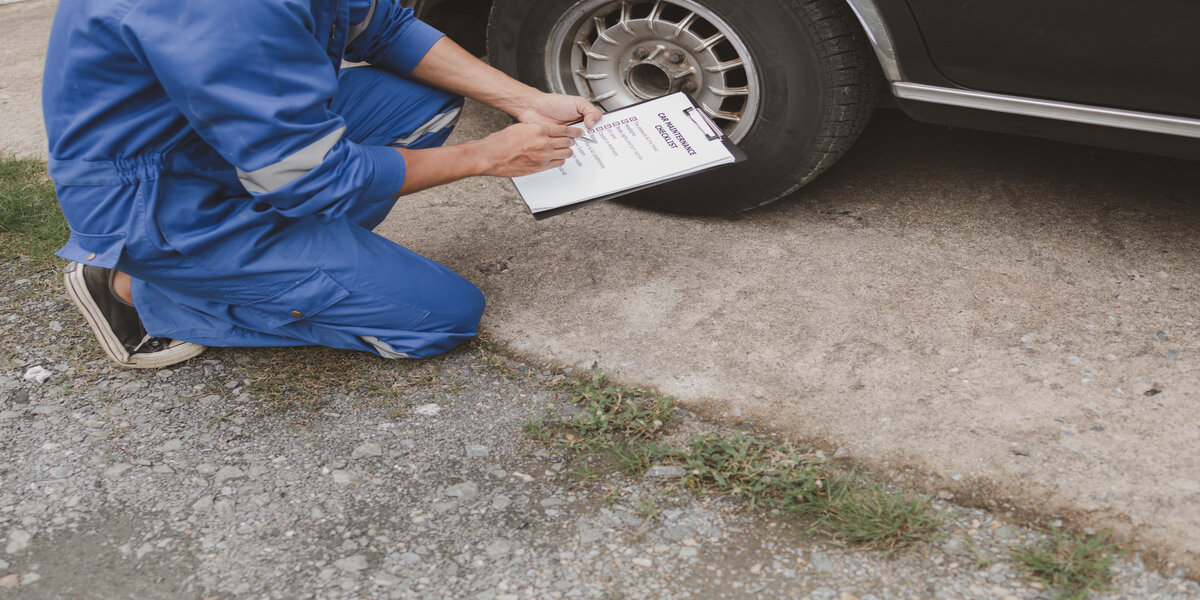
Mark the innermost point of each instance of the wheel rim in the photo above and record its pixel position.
(616, 53)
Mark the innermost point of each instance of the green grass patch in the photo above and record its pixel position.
(306, 377)
(874, 516)
(635, 458)
(615, 428)
(492, 361)
(610, 427)
(31, 224)
(604, 415)
(793, 479)
(285, 378)
(1072, 565)
(614, 412)
(770, 475)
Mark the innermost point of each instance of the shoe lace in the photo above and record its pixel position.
(154, 344)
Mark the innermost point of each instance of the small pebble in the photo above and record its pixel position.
(665, 472)
(466, 491)
(366, 450)
(37, 374)
(18, 540)
(228, 474)
(352, 564)
(427, 409)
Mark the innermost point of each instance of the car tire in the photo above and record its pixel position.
(805, 87)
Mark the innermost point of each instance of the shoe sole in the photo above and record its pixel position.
(177, 352)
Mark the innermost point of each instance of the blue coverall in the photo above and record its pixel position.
(217, 152)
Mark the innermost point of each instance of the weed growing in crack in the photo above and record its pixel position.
(609, 426)
(536, 430)
(634, 459)
(874, 516)
(613, 412)
(492, 361)
(617, 426)
(792, 479)
(773, 476)
(1072, 565)
(647, 507)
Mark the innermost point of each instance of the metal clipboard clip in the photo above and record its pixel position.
(704, 123)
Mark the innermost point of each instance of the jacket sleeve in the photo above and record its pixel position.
(252, 79)
(385, 34)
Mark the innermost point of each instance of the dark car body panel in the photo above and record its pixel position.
(1141, 56)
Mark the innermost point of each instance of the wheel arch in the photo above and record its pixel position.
(880, 37)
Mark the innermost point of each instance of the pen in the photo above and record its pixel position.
(584, 137)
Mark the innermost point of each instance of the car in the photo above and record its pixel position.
(794, 82)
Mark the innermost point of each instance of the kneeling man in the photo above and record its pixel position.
(222, 172)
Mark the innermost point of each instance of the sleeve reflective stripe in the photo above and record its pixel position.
(437, 123)
(291, 168)
(357, 30)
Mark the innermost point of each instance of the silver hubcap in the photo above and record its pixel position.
(618, 53)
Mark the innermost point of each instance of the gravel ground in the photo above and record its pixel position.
(184, 483)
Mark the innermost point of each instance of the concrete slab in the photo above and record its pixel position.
(1006, 320)
(22, 54)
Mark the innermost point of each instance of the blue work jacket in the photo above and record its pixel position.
(234, 94)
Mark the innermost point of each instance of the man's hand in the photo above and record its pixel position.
(526, 148)
(558, 109)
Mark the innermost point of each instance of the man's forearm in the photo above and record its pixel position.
(447, 66)
(431, 167)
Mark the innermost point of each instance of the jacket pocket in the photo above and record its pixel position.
(314, 293)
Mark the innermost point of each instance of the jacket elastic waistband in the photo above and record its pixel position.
(124, 171)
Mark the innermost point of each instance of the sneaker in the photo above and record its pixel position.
(116, 323)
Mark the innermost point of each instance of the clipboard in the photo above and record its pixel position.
(694, 121)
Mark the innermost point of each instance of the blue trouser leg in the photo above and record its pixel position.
(323, 282)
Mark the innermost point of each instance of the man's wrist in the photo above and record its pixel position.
(519, 101)
(475, 154)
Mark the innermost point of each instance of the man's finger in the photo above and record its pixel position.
(561, 131)
(591, 114)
